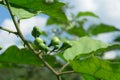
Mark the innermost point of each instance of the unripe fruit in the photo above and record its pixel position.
(36, 32)
(40, 44)
(56, 46)
(66, 45)
(47, 49)
(38, 40)
(55, 41)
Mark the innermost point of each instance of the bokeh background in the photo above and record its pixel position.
(107, 10)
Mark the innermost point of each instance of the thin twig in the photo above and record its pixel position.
(66, 72)
(7, 30)
(63, 67)
(48, 66)
(59, 77)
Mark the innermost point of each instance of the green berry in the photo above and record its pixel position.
(66, 44)
(36, 32)
(55, 41)
(38, 41)
(42, 46)
(56, 46)
(47, 49)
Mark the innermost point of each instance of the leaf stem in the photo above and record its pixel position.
(7, 30)
(63, 67)
(66, 72)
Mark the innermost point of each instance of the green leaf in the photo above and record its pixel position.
(101, 52)
(3, 65)
(117, 39)
(22, 13)
(35, 6)
(90, 14)
(50, 59)
(113, 47)
(97, 67)
(8, 65)
(101, 28)
(60, 55)
(19, 56)
(83, 46)
(77, 31)
(51, 21)
(59, 17)
(87, 77)
(53, 61)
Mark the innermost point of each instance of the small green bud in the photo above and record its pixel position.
(47, 49)
(38, 41)
(36, 32)
(66, 45)
(56, 46)
(55, 41)
(42, 46)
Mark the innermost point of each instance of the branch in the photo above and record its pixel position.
(63, 67)
(59, 77)
(26, 42)
(66, 72)
(7, 30)
(31, 48)
(48, 66)
(16, 25)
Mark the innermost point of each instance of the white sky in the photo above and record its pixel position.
(107, 10)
